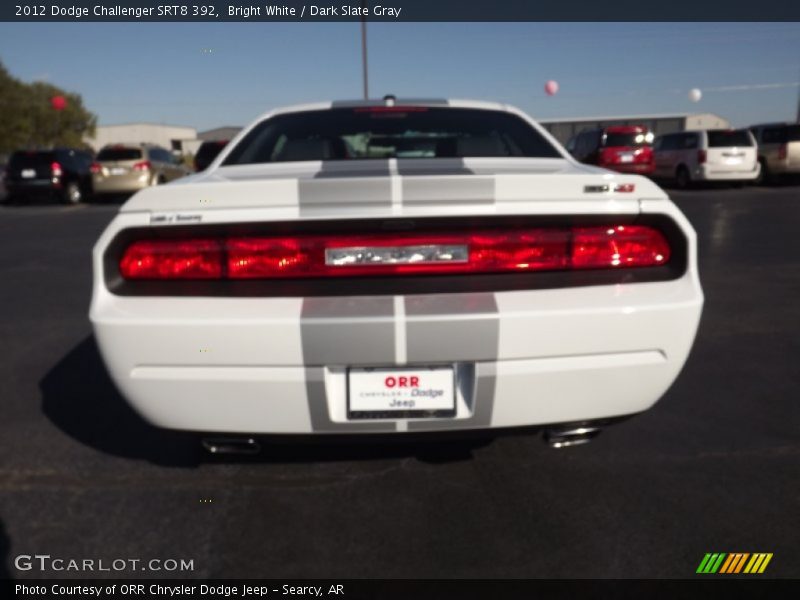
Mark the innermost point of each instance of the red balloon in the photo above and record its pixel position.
(551, 88)
(58, 102)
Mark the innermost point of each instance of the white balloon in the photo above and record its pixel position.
(695, 95)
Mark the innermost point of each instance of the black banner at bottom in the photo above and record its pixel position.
(405, 589)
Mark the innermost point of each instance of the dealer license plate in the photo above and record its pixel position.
(401, 393)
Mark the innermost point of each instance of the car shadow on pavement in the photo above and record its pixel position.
(79, 398)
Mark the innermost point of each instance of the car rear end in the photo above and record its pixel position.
(787, 155)
(120, 169)
(34, 174)
(391, 296)
(727, 155)
(627, 149)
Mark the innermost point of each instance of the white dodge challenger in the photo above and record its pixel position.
(395, 266)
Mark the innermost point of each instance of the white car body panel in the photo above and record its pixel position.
(277, 364)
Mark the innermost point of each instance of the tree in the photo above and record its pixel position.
(28, 120)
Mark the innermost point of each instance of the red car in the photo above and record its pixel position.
(623, 148)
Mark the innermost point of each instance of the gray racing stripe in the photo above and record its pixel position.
(321, 194)
(347, 331)
(468, 331)
(448, 189)
(318, 408)
(398, 102)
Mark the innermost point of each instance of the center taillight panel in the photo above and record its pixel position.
(371, 257)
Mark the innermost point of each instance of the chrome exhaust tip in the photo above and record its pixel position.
(231, 445)
(566, 437)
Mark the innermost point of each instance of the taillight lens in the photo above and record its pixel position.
(142, 166)
(55, 169)
(782, 152)
(173, 259)
(96, 168)
(701, 156)
(315, 256)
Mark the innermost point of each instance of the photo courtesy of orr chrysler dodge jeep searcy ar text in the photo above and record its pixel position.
(396, 266)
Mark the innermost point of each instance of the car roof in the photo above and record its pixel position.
(429, 102)
(626, 129)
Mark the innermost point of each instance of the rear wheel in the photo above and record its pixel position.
(72, 193)
(682, 178)
(763, 176)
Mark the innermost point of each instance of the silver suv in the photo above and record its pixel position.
(778, 149)
(127, 168)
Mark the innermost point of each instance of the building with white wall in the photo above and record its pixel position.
(171, 137)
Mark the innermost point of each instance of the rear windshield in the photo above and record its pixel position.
(793, 133)
(628, 139)
(720, 139)
(30, 160)
(119, 154)
(390, 132)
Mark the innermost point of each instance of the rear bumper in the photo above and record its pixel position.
(119, 185)
(250, 365)
(712, 173)
(32, 188)
(638, 169)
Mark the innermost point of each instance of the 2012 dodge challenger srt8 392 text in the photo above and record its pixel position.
(396, 266)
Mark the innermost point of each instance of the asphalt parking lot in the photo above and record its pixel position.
(714, 467)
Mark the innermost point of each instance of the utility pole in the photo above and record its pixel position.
(364, 49)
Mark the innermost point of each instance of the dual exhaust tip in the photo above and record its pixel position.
(555, 437)
(572, 435)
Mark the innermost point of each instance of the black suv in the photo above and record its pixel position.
(207, 152)
(61, 173)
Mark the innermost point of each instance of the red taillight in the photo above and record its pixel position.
(173, 259)
(782, 152)
(620, 246)
(142, 166)
(95, 168)
(55, 169)
(314, 256)
(701, 156)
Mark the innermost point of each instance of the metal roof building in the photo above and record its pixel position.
(171, 137)
(564, 129)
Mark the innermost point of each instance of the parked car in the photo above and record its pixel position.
(62, 173)
(388, 267)
(207, 152)
(778, 149)
(688, 157)
(3, 193)
(126, 168)
(627, 149)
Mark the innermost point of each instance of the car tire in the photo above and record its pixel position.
(764, 177)
(683, 180)
(72, 194)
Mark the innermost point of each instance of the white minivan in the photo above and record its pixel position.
(778, 149)
(712, 155)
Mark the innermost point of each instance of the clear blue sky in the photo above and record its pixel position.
(209, 75)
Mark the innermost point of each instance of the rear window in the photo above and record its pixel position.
(628, 139)
(720, 139)
(119, 154)
(390, 132)
(793, 133)
(30, 160)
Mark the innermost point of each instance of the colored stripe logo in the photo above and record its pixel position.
(734, 563)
